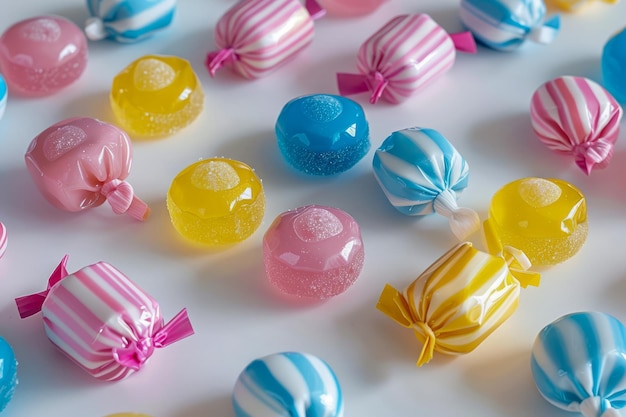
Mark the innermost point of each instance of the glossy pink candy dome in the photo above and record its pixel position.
(42, 55)
(346, 8)
(313, 251)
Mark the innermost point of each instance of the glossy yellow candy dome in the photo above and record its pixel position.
(156, 96)
(545, 218)
(216, 201)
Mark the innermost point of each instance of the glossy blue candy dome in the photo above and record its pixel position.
(322, 134)
(8, 373)
(614, 66)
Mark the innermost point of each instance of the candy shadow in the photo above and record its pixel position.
(220, 406)
(95, 105)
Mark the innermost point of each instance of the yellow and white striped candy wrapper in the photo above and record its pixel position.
(460, 299)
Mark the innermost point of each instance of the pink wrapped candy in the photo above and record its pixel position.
(403, 56)
(42, 55)
(313, 251)
(575, 116)
(102, 321)
(80, 163)
(256, 36)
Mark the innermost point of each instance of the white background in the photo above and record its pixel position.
(481, 105)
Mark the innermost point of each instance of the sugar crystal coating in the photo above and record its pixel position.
(156, 96)
(216, 201)
(313, 252)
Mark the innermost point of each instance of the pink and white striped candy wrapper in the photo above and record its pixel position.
(256, 36)
(102, 321)
(577, 117)
(3, 239)
(406, 54)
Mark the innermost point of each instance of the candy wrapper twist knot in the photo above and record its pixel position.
(121, 197)
(463, 221)
(31, 304)
(589, 154)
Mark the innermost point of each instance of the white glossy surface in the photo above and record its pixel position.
(481, 105)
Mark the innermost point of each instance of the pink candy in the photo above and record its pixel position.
(256, 36)
(575, 116)
(313, 251)
(42, 55)
(80, 163)
(3, 239)
(102, 321)
(347, 8)
(403, 56)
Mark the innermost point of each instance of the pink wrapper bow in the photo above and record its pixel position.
(102, 321)
(403, 56)
(80, 163)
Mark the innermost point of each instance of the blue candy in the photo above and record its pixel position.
(3, 96)
(421, 173)
(579, 363)
(128, 20)
(322, 134)
(507, 24)
(288, 384)
(614, 66)
(8, 373)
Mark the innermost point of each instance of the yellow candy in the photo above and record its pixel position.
(216, 201)
(544, 218)
(575, 5)
(460, 299)
(156, 96)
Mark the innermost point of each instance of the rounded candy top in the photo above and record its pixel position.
(42, 55)
(156, 96)
(80, 163)
(322, 134)
(421, 173)
(128, 20)
(8, 373)
(575, 116)
(578, 363)
(614, 65)
(506, 25)
(544, 218)
(288, 384)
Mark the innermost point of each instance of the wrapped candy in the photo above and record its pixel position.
(505, 25)
(460, 299)
(614, 65)
(216, 201)
(3, 239)
(128, 20)
(576, 5)
(156, 96)
(80, 163)
(407, 53)
(349, 8)
(42, 55)
(313, 251)
(4, 93)
(322, 134)
(256, 36)
(578, 364)
(287, 384)
(575, 116)
(421, 173)
(8, 373)
(102, 321)
(545, 218)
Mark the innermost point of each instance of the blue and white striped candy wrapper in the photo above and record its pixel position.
(288, 384)
(579, 364)
(4, 93)
(507, 24)
(421, 173)
(128, 21)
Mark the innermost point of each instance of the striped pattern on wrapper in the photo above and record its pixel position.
(128, 21)
(459, 300)
(288, 384)
(256, 36)
(577, 117)
(506, 25)
(102, 321)
(3, 239)
(406, 54)
(422, 173)
(578, 363)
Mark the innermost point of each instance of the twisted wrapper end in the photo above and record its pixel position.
(315, 10)
(590, 155)
(546, 32)
(95, 29)
(29, 305)
(597, 407)
(216, 60)
(464, 42)
(122, 199)
(463, 221)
